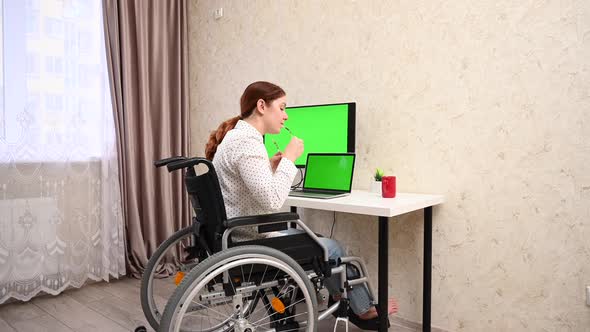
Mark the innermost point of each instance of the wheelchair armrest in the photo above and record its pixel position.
(190, 162)
(261, 219)
(166, 161)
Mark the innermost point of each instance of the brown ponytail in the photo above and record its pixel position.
(254, 92)
(217, 136)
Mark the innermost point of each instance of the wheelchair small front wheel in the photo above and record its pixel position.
(246, 288)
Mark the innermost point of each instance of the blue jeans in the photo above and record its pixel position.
(360, 301)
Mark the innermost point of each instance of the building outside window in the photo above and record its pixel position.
(53, 64)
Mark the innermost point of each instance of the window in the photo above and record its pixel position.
(84, 42)
(54, 27)
(53, 65)
(32, 5)
(53, 102)
(32, 67)
(32, 23)
(55, 94)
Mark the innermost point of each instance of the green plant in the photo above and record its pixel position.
(378, 174)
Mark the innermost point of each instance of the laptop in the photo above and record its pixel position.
(327, 175)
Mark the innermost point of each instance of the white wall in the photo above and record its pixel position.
(486, 102)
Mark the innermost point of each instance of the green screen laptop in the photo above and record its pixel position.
(327, 175)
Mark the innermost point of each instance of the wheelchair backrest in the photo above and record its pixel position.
(207, 201)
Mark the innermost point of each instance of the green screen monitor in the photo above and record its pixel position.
(326, 128)
(329, 172)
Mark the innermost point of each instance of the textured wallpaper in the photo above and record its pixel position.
(486, 102)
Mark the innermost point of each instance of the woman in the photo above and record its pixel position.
(253, 184)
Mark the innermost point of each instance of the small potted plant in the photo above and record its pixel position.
(376, 183)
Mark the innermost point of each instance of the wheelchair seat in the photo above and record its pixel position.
(304, 250)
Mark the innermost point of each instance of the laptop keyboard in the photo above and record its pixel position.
(301, 193)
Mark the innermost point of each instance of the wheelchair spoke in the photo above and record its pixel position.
(210, 324)
(227, 307)
(263, 274)
(295, 329)
(276, 274)
(257, 293)
(248, 299)
(292, 316)
(227, 317)
(208, 308)
(276, 313)
(251, 268)
(231, 282)
(268, 306)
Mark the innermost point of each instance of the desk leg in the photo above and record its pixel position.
(383, 272)
(427, 277)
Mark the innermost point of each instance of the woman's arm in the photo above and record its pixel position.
(270, 189)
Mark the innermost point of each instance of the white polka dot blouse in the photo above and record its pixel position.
(248, 185)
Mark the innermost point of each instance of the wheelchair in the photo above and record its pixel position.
(268, 284)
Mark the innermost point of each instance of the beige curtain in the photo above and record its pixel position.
(147, 56)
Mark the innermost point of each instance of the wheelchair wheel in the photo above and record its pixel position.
(243, 289)
(155, 292)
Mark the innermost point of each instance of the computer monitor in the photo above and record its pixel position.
(326, 171)
(328, 128)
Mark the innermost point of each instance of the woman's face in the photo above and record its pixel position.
(275, 115)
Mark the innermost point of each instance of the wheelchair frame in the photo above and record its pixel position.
(208, 223)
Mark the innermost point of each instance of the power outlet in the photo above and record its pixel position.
(588, 296)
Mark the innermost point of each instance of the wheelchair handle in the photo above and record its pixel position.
(186, 163)
(166, 161)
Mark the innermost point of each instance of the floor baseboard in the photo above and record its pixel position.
(412, 325)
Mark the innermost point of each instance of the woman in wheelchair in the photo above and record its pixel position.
(223, 292)
(251, 187)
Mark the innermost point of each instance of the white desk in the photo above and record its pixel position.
(363, 202)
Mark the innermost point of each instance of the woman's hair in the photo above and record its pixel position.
(254, 92)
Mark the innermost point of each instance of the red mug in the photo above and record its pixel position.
(388, 186)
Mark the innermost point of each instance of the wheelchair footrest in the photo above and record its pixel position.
(363, 324)
(341, 319)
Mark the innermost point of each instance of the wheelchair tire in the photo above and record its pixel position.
(202, 285)
(151, 310)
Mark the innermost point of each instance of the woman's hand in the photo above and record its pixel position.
(294, 149)
(275, 160)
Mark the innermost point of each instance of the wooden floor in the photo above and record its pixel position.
(104, 307)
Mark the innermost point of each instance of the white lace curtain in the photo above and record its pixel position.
(60, 206)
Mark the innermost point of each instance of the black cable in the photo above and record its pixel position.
(333, 224)
(296, 186)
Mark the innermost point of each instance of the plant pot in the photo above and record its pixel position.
(376, 187)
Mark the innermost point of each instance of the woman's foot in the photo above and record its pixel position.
(392, 308)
